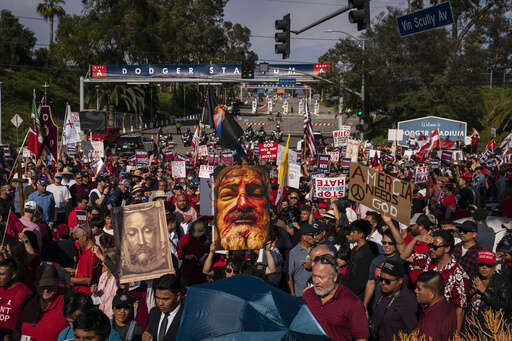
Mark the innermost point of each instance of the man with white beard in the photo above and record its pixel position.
(340, 313)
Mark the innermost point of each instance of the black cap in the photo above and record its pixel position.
(468, 226)
(480, 214)
(424, 220)
(177, 187)
(393, 268)
(307, 229)
(122, 300)
(319, 226)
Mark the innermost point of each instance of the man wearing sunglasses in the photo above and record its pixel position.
(395, 309)
(334, 306)
(489, 290)
(441, 260)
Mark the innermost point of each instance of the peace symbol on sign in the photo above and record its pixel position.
(357, 192)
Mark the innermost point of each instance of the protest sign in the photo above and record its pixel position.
(206, 198)
(205, 171)
(227, 158)
(294, 175)
(28, 153)
(6, 150)
(329, 187)
(203, 150)
(268, 150)
(292, 155)
(323, 162)
(352, 150)
(141, 158)
(98, 147)
(81, 217)
(341, 136)
(169, 156)
(334, 155)
(421, 174)
(345, 165)
(381, 192)
(395, 134)
(178, 169)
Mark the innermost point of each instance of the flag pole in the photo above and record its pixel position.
(5, 231)
(20, 152)
(200, 127)
(304, 144)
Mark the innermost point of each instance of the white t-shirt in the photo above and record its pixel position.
(60, 195)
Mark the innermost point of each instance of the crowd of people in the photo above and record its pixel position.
(362, 274)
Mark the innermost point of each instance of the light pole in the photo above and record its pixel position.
(97, 98)
(362, 41)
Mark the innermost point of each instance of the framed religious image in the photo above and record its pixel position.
(241, 206)
(142, 241)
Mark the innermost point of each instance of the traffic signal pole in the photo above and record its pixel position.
(327, 17)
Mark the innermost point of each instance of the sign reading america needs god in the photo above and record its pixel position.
(381, 192)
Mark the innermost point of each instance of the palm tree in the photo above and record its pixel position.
(49, 9)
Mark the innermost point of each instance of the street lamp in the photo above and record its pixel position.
(362, 41)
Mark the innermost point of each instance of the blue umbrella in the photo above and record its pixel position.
(245, 308)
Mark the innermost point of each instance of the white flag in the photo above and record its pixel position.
(71, 126)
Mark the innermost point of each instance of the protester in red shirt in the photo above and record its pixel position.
(82, 203)
(191, 251)
(88, 269)
(448, 201)
(438, 320)
(340, 313)
(41, 318)
(12, 296)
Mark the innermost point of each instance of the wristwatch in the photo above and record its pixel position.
(25, 241)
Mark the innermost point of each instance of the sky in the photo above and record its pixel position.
(258, 15)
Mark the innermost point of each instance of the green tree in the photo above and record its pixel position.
(49, 9)
(17, 41)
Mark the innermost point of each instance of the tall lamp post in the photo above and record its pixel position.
(362, 42)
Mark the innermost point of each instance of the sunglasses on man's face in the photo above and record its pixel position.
(386, 281)
(324, 260)
(435, 247)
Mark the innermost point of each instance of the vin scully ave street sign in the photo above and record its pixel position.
(426, 19)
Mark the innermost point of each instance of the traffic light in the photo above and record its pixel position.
(361, 14)
(283, 38)
(247, 70)
(360, 109)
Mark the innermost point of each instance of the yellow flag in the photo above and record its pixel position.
(283, 170)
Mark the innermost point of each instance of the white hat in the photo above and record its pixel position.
(30, 205)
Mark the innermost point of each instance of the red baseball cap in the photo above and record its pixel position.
(487, 257)
(322, 205)
(62, 229)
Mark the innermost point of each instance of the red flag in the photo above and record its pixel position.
(14, 225)
(432, 143)
(34, 143)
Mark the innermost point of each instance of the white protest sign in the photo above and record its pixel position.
(206, 198)
(395, 134)
(352, 151)
(373, 152)
(26, 152)
(294, 175)
(98, 147)
(421, 174)
(340, 136)
(292, 156)
(329, 187)
(467, 140)
(205, 171)
(458, 155)
(203, 150)
(178, 169)
(334, 155)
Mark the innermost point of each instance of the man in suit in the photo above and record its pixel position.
(164, 319)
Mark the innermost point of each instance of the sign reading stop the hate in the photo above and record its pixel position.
(421, 174)
(268, 150)
(381, 192)
(329, 187)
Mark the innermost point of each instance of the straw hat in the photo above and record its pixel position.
(67, 171)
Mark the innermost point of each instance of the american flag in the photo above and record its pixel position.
(446, 156)
(308, 131)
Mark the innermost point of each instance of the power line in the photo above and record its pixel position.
(294, 38)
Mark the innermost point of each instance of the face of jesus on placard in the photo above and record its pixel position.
(241, 207)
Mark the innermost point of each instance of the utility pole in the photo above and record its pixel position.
(362, 88)
(0, 112)
(340, 105)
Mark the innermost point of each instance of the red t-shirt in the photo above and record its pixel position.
(420, 247)
(11, 301)
(88, 266)
(49, 326)
(342, 318)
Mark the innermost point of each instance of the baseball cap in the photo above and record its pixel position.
(414, 218)
(424, 220)
(468, 226)
(319, 226)
(58, 175)
(126, 183)
(393, 268)
(307, 229)
(322, 205)
(122, 300)
(486, 257)
(42, 182)
(30, 205)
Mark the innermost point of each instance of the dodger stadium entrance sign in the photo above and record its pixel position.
(451, 129)
(381, 192)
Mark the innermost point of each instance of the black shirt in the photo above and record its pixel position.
(358, 269)
(63, 252)
(123, 331)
